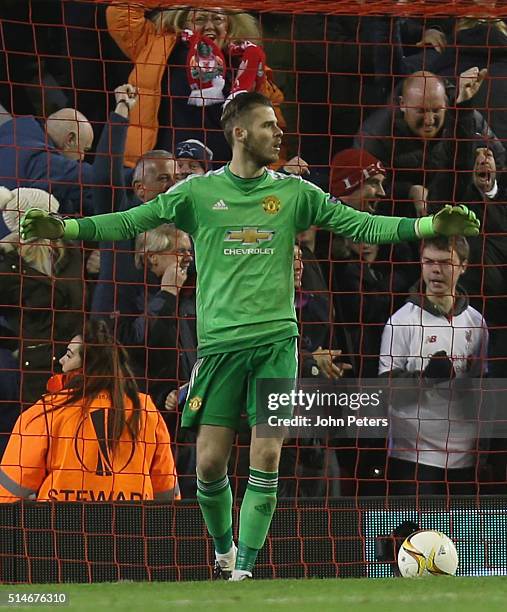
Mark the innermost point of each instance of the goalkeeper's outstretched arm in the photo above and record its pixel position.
(174, 206)
(317, 208)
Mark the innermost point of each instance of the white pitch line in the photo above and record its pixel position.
(350, 599)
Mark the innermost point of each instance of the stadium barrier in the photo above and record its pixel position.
(103, 542)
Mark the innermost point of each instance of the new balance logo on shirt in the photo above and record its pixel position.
(220, 205)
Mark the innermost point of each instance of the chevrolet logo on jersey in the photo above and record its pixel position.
(249, 236)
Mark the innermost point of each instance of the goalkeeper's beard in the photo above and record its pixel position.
(255, 155)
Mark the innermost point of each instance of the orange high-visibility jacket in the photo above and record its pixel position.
(139, 40)
(60, 454)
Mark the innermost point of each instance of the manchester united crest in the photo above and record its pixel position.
(195, 403)
(271, 205)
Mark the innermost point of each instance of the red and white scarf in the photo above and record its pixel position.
(206, 69)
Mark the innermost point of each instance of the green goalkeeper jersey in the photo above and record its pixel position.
(244, 231)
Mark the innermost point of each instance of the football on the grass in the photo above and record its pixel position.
(427, 552)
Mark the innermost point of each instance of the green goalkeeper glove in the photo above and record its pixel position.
(38, 223)
(450, 221)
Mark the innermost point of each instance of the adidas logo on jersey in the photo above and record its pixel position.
(220, 205)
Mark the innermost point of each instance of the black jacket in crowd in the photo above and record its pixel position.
(39, 316)
(365, 296)
(413, 160)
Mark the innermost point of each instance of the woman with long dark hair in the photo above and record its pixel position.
(93, 437)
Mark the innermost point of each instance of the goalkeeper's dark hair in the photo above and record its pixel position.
(237, 108)
(449, 243)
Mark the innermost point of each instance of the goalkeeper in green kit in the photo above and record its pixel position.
(244, 219)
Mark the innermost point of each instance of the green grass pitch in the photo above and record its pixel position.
(431, 594)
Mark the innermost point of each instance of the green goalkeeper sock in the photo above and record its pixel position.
(256, 513)
(215, 500)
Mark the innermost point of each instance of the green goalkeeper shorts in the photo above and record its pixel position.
(222, 387)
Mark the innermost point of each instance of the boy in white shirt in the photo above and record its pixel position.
(435, 337)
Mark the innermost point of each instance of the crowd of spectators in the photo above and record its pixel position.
(130, 104)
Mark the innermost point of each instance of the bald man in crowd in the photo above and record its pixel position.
(417, 137)
(49, 154)
(71, 132)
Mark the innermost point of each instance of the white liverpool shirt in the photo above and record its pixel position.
(433, 430)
